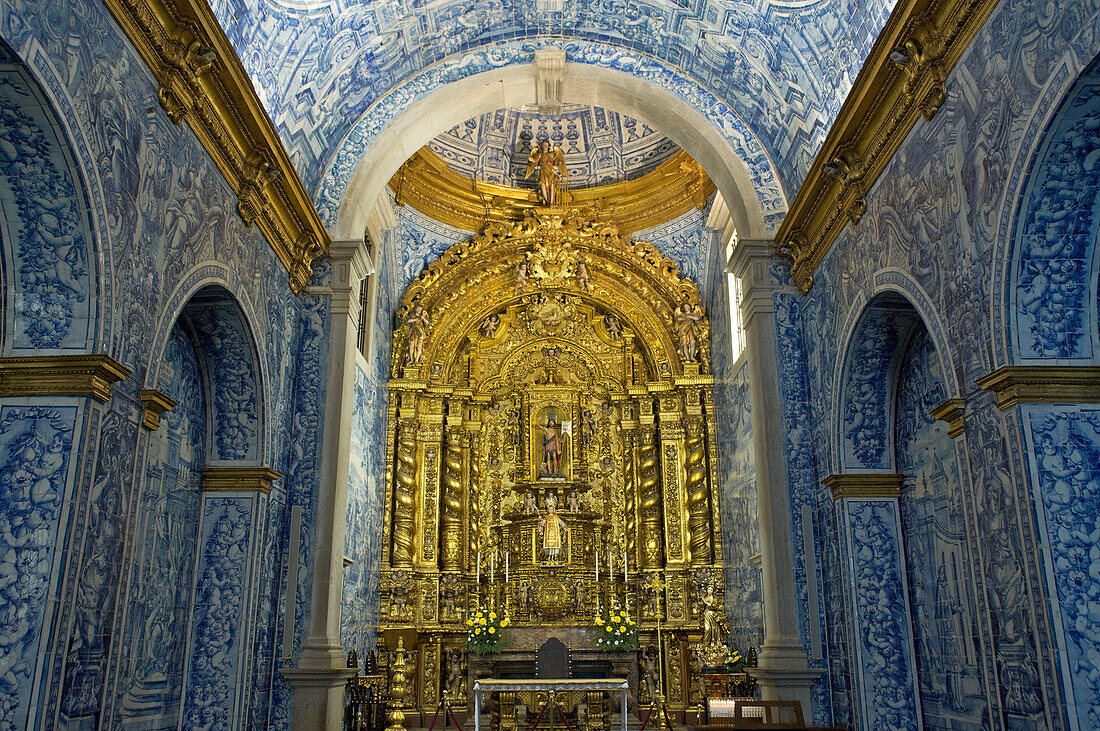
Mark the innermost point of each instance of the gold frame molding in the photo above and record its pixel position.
(203, 82)
(902, 79)
(429, 185)
(239, 478)
(61, 375)
(1045, 384)
(864, 485)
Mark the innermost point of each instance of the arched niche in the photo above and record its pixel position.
(47, 241)
(1054, 263)
(715, 137)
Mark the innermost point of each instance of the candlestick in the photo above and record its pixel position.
(610, 567)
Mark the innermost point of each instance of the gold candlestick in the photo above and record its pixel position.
(397, 687)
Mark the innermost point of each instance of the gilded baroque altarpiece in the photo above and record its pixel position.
(551, 411)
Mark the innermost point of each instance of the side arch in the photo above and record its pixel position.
(1045, 294)
(52, 287)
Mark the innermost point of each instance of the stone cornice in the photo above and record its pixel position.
(902, 79)
(1043, 385)
(951, 411)
(203, 82)
(863, 485)
(239, 478)
(156, 403)
(61, 375)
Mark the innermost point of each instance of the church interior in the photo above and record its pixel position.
(571, 365)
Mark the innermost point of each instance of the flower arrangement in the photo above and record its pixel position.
(615, 630)
(483, 631)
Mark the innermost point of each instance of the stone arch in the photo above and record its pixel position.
(879, 330)
(1051, 265)
(48, 244)
(396, 127)
(228, 348)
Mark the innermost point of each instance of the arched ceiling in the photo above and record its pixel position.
(780, 69)
(600, 146)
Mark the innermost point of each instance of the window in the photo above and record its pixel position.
(366, 297)
(737, 327)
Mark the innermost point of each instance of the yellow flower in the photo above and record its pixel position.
(492, 630)
(481, 620)
(477, 631)
(505, 622)
(492, 615)
(631, 623)
(607, 628)
(622, 614)
(599, 620)
(616, 620)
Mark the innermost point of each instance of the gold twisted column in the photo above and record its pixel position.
(649, 488)
(404, 495)
(698, 495)
(451, 521)
(630, 493)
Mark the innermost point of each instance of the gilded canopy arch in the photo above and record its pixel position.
(551, 366)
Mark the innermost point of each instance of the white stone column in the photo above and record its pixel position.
(783, 672)
(321, 672)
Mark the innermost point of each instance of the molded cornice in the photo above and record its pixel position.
(155, 403)
(864, 485)
(1043, 385)
(239, 478)
(951, 412)
(61, 375)
(203, 82)
(429, 185)
(902, 79)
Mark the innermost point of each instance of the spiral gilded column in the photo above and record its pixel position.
(473, 500)
(630, 495)
(649, 489)
(698, 496)
(404, 495)
(451, 521)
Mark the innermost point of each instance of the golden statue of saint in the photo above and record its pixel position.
(550, 161)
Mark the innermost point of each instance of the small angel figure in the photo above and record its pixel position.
(550, 161)
(574, 502)
(530, 507)
(614, 329)
(418, 333)
(686, 320)
(588, 427)
(489, 327)
(582, 276)
(521, 277)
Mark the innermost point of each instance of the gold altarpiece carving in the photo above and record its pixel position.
(551, 404)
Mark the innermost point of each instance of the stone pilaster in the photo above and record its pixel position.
(319, 676)
(783, 672)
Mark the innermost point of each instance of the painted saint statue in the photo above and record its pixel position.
(550, 161)
(554, 531)
(551, 448)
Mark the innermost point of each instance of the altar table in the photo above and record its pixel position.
(550, 687)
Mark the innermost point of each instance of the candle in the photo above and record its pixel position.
(610, 567)
(492, 567)
(597, 552)
(479, 567)
(624, 567)
(506, 557)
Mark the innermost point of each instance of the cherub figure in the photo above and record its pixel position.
(614, 329)
(521, 277)
(530, 507)
(582, 276)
